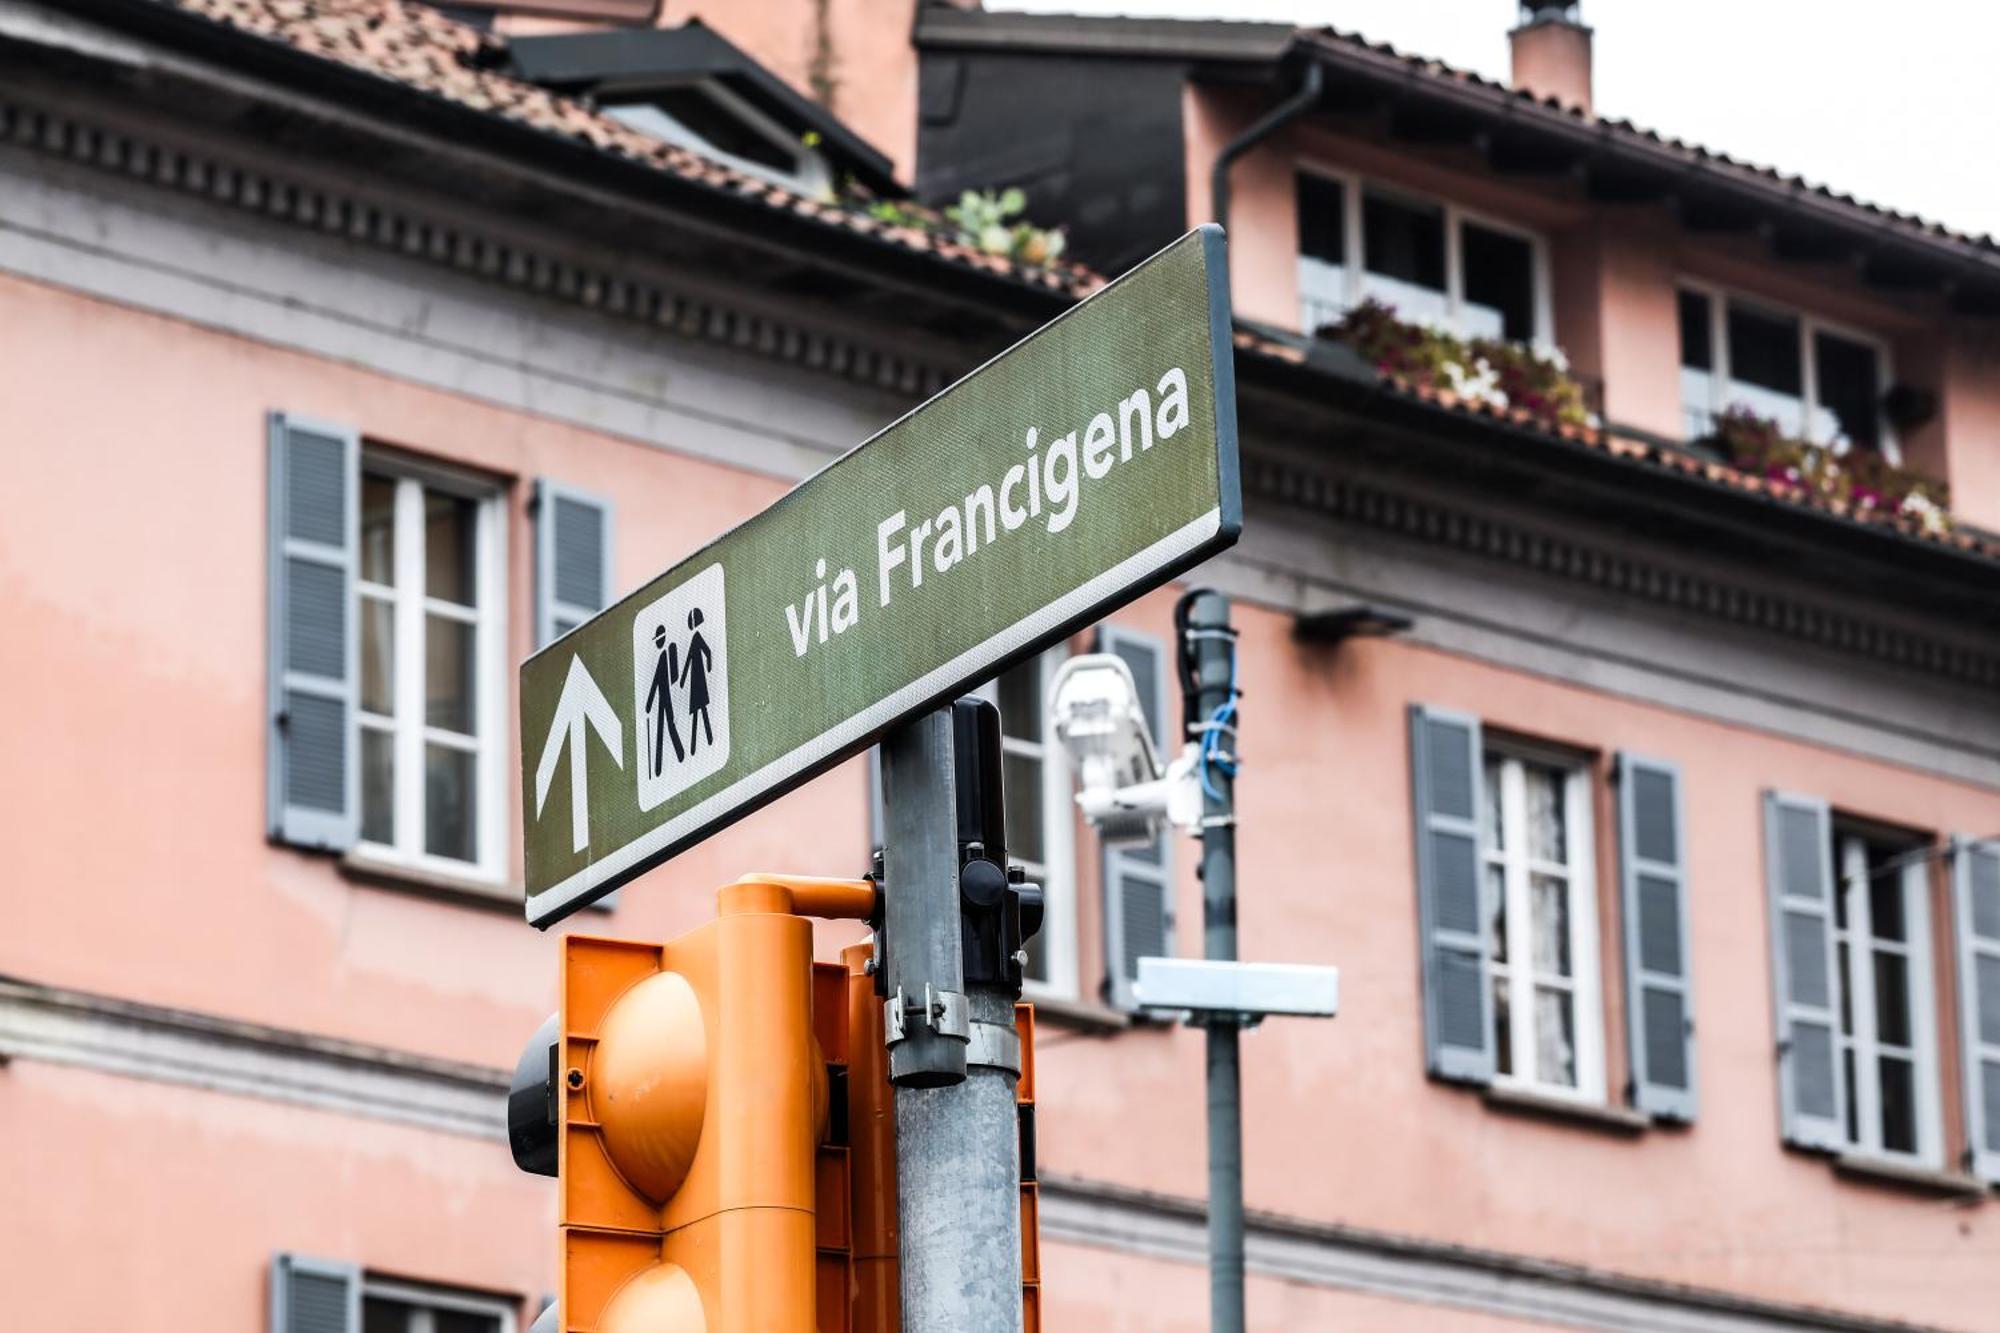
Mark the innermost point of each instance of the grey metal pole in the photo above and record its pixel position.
(958, 1170)
(1213, 646)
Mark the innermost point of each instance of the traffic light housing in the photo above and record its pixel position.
(693, 1100)
(718, 1112)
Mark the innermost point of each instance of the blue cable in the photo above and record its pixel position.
(1211, 736)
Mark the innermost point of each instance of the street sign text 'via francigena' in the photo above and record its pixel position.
(1091, 461)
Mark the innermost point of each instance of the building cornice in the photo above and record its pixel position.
(1081, 1211)
(1580, 559)
(221, 178)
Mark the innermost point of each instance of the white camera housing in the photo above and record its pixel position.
(1123, 792)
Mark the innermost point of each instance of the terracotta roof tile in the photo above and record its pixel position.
(415, 45)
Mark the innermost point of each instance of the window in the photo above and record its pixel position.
(310, 1295)
(1882, 966)
(1817, 383)
(1431, 262)
(1040, 824)
(430, 595)
(1541, 937)
(389, 1307)
(709, 119)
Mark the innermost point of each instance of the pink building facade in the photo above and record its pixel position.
(1657, 852)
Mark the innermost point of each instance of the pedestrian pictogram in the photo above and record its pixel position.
(680, 687)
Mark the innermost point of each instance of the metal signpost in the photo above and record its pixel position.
(1092, 461)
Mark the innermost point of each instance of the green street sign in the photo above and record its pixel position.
(1093, 460)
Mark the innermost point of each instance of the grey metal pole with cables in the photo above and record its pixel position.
(1207, 655)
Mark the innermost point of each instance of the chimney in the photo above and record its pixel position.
(1552, 52)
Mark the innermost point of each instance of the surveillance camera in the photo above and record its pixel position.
(1094, 706)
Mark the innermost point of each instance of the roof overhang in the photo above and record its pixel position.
(390, 134)
(633, 60)
(1616, 162)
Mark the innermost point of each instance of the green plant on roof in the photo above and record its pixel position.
(987, 221)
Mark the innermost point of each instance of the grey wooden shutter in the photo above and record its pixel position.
(572, 559)
(1446, 770)
(1138, 878)
(1652, 873)
(1976, 889)
(314, 1295)
(313, 654)
(1798, 851)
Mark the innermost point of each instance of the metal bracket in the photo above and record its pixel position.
(994, 1046)
(943, 1012)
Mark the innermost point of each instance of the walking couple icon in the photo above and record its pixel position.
(673, 670)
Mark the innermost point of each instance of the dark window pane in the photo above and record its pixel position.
(448, 674)
(1697, 335)
(463, 1321)
(1764, 351)
(1021, 789)
(1853, 1102)
(378, 786)
(1020, 697)
(1404, 241)
(378, 656)
(1892, 998)
(378, 530)
(1850, 391)
(1885, 900)
(1898, 1079)
(448, 548)
(1037, 966)
(1322, 219)
(1503, 1036)
(448, 809)
(1846, 991)
(381, 1315)
(1499, 284)
(1496, 901)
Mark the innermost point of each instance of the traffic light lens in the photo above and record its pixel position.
(662, 1297)
(648, 1083)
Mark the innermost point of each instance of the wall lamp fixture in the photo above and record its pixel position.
(1359, 621)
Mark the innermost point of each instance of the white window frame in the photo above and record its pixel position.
(1721, 386)
(1850, 862)
(490, 684)
(1455, 216)
(1584, 983)
(1057, 875)
(505, 1311)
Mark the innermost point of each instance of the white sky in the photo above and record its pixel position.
(1894, 103)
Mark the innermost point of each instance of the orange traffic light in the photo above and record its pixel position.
(693, 1101)
(718, 1111)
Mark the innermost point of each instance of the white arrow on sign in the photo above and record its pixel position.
(581, 702)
